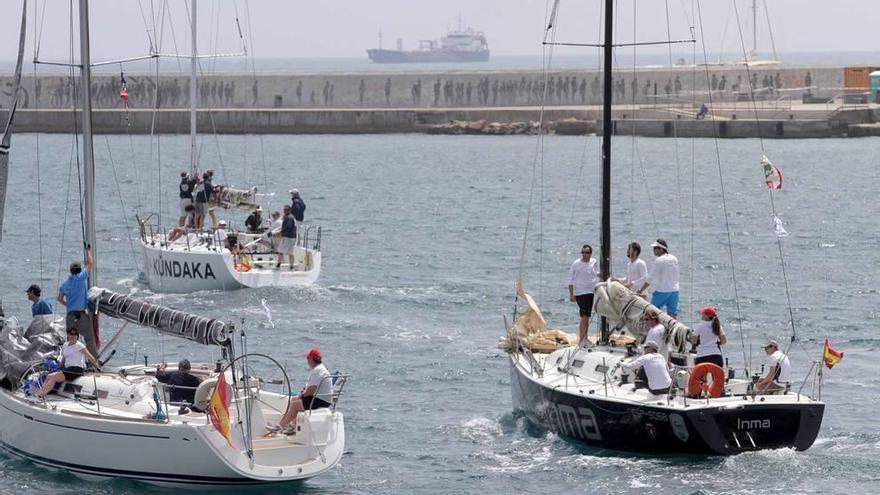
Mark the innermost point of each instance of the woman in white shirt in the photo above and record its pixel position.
(709, 337)
(656, 332)
(73, 362)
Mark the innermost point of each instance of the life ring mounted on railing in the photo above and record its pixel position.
(699, 387)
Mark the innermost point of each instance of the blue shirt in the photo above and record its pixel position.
(41, 307)
(76, 291)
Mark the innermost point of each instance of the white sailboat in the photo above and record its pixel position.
(204, 260)
(117, 422)
(583, 391)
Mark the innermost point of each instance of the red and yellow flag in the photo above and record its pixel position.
(218, 409)
(830, 356)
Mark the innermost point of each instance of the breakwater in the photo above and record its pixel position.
(802, 98)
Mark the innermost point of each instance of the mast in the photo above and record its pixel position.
(193, 91)
(605, 261)
(754, 29)
(88, 149)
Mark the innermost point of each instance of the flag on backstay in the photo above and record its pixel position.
(778, 228)
(218, 409)
(772, 175)
(830, 356)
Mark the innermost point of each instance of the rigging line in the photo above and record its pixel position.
(770, 29)
(769, 189)
(675, 141)
(247, 5)
(38, 33)
(647, 189)
(121, 201)
(37, 139)
(746, 358)
(146, 26)
(73, 96)
(632, 142)
(693, 159)
(621, 45)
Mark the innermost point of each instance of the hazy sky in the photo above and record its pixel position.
(345, 28)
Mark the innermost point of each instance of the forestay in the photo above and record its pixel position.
(207, 331)
(623, 308)
(6, 141)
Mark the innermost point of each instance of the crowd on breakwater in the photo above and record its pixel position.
(426, 89)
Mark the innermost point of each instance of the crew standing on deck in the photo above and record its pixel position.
(297, 207)
(187, 185)
(709, 337)
(287, 244)
(74, 294)
(636, 269)
(664, 277)
(582, 278)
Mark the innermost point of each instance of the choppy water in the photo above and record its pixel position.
(422, 238)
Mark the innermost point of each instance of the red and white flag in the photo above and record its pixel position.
(772, 175)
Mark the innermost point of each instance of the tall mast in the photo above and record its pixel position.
(605, 261)
(88, 148)
(755, 29)
(193, 91)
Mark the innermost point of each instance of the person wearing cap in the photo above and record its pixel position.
(316, 395)
(40, 306)
(287, 245)
(582, 278)
(222, 234)
(653, 367)
(297, 207)
(73, 293)
(254, 221)
(779, 376)
(708, 336)
(203, 191)
(664, 277)
(656, 332)
(187, 185)
(636, 269)
(182, 378)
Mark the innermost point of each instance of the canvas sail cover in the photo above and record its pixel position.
(624, 311)
(244, 199)
(207, 331)
(21, 348)
(6, 140)
(530, 330)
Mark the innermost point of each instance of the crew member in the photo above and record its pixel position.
(297, 207)
(654, 367)
(40, 306)
(317, 394)
(779, 376)
(709, 337)
(74, 294)
(180, 378)
(73, 362)
(254, 221)
(664, 276)
(582, 278)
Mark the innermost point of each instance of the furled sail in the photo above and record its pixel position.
(6, 140)
(244, 199)
(624, 309)
(207, 331)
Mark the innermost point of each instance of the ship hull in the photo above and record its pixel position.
(381, 56)
(658, 429)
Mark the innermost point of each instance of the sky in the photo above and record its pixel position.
(345, 28)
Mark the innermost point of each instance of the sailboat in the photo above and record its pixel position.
(229, 260)
(583, 393)
(117, 421)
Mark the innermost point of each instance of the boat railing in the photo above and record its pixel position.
(308, 237)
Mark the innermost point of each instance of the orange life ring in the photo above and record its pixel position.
(697, 385)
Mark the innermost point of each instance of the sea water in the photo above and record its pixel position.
(422, 246)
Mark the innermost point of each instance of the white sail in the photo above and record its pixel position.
(6, 141)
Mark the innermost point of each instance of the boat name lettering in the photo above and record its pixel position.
(752, 424)
(177, 269)
(571, 422)
(654, 415)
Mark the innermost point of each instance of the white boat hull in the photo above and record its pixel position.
(179, 269)
(186, 450)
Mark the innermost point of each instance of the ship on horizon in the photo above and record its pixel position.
(460, 45)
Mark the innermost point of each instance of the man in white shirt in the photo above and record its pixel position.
(582, 277)
(636, 269)
(655, 369)
(779, 376)
(664, 278)
(317, 394)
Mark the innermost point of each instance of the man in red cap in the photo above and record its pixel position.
(316, 394)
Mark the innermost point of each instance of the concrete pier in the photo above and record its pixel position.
(790, 102)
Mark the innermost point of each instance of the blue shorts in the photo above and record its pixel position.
(668, 299)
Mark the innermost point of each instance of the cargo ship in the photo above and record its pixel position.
(461, 45)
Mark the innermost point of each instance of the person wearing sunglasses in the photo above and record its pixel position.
(582, 278)
(73, 362)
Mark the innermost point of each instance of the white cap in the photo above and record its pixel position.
(294, 192)
(222, 222)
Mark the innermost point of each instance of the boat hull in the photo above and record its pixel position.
(660, 429)
(181, 271)
(381, 56)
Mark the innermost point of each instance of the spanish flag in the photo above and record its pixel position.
(218, 409)
(830, 356)
(245, 264)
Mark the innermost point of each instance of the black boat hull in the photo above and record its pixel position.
(658, 429)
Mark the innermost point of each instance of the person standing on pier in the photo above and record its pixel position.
(388, 92)
(582, 278)
(362, 87)
(299, 93)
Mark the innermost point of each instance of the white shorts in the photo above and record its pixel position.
(287, 245)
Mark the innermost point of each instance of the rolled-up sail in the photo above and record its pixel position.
(245, 199)
(624, 310)
(6, 140)
(207, 331)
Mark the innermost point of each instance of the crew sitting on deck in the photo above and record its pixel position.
(182, 383)
(316, 395)
(254, 221)
(652, 366)
(779, 376)
(73, 362)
